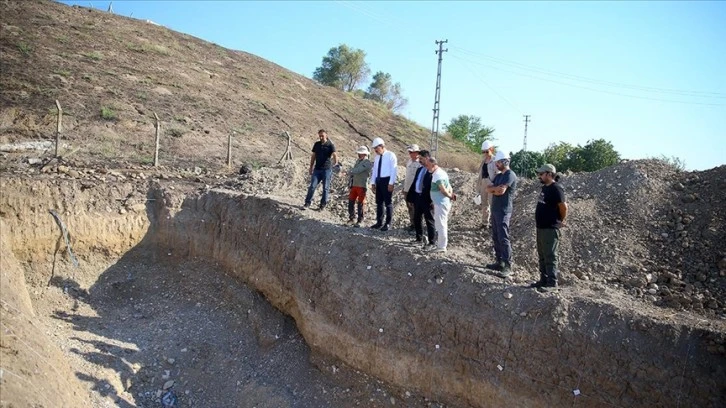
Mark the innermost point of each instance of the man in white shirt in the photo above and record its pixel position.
(411, 166)
(383, 178)
(441, 196)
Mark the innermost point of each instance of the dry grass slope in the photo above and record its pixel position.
(111, 73)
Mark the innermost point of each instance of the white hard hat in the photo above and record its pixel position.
(363, 150)
(501, 156)
(486, 145)
(377, 142)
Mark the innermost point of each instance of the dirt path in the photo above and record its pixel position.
(149, 320)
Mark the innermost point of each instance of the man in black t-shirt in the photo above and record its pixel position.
(322, 162)
(550, 216)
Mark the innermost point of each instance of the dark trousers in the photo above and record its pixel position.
(318, 176)
(548, 242)
(422, 212)
(383, 198)
(500, 236)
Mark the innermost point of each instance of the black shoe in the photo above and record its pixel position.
(306, 206)
(418, 239)
(376, 226)
(385, 228)
(497, 266)
(548, 288)
(537, 284)
(321, 208)
(506, 271)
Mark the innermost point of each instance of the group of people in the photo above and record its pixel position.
(429, 196)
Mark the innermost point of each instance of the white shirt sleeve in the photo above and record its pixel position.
(392, 168)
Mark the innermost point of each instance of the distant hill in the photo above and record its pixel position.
(111, 73)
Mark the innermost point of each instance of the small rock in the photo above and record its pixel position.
(653, 291)
(507, 295)
(122, 211)
(168, 384)
(138, 207)
(170, 360)
(34, 160)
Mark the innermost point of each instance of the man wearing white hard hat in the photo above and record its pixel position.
(382, 181)
(502, 190)
(412, 165)
(359, 175)
(487, 171)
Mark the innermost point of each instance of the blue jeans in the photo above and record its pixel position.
(500, 236)
(323, 175)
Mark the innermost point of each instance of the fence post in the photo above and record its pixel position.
(59, 127)
(156, 150)
(229, 149)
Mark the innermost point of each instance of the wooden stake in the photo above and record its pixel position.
(288, 152)
(156, 150)
(59, 127)
(229, 150)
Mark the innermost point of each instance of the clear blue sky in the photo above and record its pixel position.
(648, 76)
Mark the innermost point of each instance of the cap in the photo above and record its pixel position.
(413, 148)
(377, 142)
(486, 145)
(501, 156)
(547, 168)
(363, 150)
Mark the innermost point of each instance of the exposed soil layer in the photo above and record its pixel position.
(433, 326)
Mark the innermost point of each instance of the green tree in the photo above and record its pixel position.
(595, 155)
(558, 154)
(525, 163)
(384, 91)
(468, 129)
(343, 68)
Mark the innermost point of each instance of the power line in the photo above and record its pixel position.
(679, 92)
(491, 88)
(591, 89)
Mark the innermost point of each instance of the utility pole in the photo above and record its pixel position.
(435, 124)
(524, 147)
(526, 121)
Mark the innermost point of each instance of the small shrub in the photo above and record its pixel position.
(175, 132)
(674, 162)
(108, 114)
(26, 49)
(94, 55)
(62, 72)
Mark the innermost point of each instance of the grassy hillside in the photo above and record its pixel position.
(112, 73)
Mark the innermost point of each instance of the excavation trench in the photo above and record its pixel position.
(439, 329)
